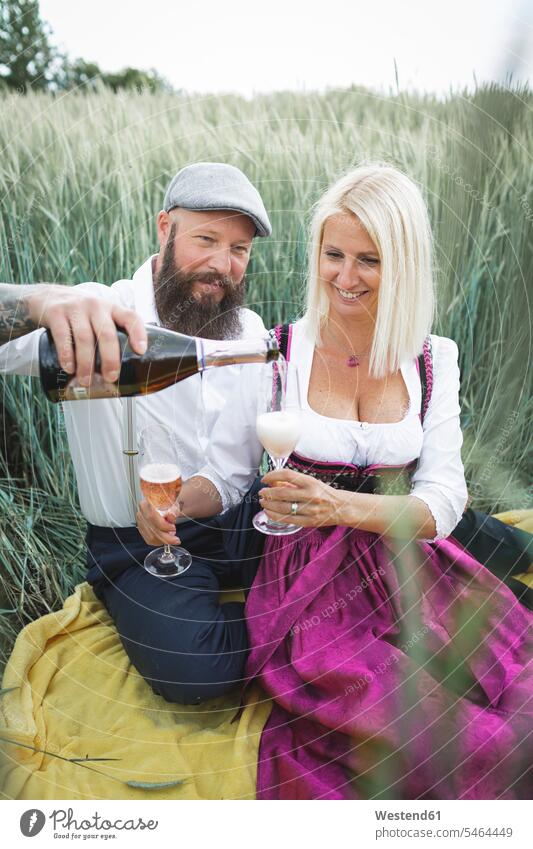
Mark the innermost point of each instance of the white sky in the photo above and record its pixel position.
(239, 45)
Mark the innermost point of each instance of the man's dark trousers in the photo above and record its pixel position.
(178, 632)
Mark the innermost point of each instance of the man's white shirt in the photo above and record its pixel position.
(95, 429)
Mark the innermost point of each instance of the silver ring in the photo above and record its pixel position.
(294, 508)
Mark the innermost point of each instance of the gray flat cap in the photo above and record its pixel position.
(215, 185)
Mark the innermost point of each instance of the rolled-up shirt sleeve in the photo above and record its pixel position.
(439, 479)
(21, 355)
(234, 452)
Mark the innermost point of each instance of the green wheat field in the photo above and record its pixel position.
(82, 179)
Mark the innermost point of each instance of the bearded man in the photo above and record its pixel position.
(184, 643)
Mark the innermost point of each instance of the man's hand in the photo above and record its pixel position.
(156, 529)
(78, 321)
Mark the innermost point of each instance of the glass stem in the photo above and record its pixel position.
(278, 463)
(167, 556)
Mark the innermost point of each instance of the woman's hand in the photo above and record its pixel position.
(156, 529)
(318, 503)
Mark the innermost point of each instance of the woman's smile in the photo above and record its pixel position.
(347, 295)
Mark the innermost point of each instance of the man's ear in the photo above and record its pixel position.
(163, 228)
(165, 220)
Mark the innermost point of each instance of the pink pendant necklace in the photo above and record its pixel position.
(354, 360)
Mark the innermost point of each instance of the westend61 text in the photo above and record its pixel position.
(407, 815)
(65, 819)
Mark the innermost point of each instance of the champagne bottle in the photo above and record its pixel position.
(169, 358)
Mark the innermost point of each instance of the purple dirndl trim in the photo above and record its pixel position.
(427, 382)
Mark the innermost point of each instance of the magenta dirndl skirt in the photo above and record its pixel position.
(400, 672)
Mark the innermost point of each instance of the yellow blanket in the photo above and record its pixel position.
(76, 696)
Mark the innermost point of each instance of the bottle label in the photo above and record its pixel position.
(98, 388)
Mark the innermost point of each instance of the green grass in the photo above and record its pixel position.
(82, 178)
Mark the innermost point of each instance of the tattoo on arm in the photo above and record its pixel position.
(14, 312)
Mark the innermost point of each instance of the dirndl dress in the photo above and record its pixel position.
(397, 670)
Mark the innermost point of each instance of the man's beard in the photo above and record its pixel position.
(179, 310)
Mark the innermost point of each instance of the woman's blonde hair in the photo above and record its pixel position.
(391, 208)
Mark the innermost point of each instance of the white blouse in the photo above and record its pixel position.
(234, 452)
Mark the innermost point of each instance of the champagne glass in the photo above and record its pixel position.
(161, 485)
(278, 426)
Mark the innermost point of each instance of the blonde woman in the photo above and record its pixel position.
(397, 663)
